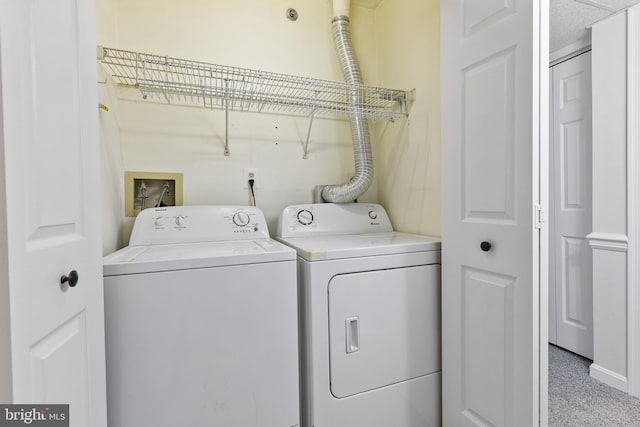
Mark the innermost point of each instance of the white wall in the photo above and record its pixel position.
(408, 151)
(155, 137)
(111, 163)
(609, 236)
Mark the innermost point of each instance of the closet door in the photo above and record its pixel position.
(570, 264)
(491, 122)
(51, 331)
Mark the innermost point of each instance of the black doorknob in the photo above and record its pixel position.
(72, 278)
(485, 246)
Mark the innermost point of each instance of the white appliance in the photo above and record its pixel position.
(369, 317)
(201, 322)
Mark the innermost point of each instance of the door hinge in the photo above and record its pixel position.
(539, 216)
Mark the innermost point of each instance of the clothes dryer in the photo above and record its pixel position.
(369, 302)
(201, 322)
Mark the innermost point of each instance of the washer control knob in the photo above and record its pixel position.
(180, 220)
(241, 219)
(373, 214)
(159, 222)
(305, 217)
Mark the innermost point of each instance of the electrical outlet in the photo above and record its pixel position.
(247, 174)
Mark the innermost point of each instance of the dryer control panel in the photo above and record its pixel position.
(193, 224)
(333, 219)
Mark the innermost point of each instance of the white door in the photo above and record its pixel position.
(490, 281)
(50, 175)
(570, 264)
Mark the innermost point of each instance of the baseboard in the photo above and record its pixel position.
(609, 377)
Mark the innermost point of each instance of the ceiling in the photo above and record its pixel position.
(570, 18)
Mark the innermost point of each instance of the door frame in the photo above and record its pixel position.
(633, 202)
(541, 294)
(633, 213)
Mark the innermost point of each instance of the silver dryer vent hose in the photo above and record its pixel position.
(349, 191)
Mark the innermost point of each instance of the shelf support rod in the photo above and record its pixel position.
(144, 78)
(306, 143)
(226, 118)
(166, 80)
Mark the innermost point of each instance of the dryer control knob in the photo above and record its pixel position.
(305, 217)
(241, 219)
(373, 214)
(159, 222)
(180, 220)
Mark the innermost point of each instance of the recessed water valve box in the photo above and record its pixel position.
(144, 190)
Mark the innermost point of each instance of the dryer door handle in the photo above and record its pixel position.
(352, 334)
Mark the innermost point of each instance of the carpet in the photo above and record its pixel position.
(577, 400)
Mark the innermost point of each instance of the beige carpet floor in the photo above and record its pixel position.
(577, 400)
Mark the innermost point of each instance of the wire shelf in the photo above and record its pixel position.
(180, 81)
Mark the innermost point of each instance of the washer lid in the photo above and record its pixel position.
(155, 258)
(320, 248)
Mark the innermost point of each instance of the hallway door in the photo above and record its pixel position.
(570, 260)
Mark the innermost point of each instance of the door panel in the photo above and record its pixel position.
(490, 132)
(487, 335)
(571, 281)
(51, 222)
(575, 308)
(59, 367)
(488, 138)
(49, 137)
(572, 166)
(481, 15)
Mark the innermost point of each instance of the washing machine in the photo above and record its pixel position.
(369, 302)
(201, 322)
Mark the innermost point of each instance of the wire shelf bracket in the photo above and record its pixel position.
(305, 145)
(186, 82)
(226, 120)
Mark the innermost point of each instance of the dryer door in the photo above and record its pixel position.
(384, 327)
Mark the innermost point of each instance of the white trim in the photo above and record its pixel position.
(633, 203)
(574, 49)
(608, 377)
(542, 181)
(608, 241)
